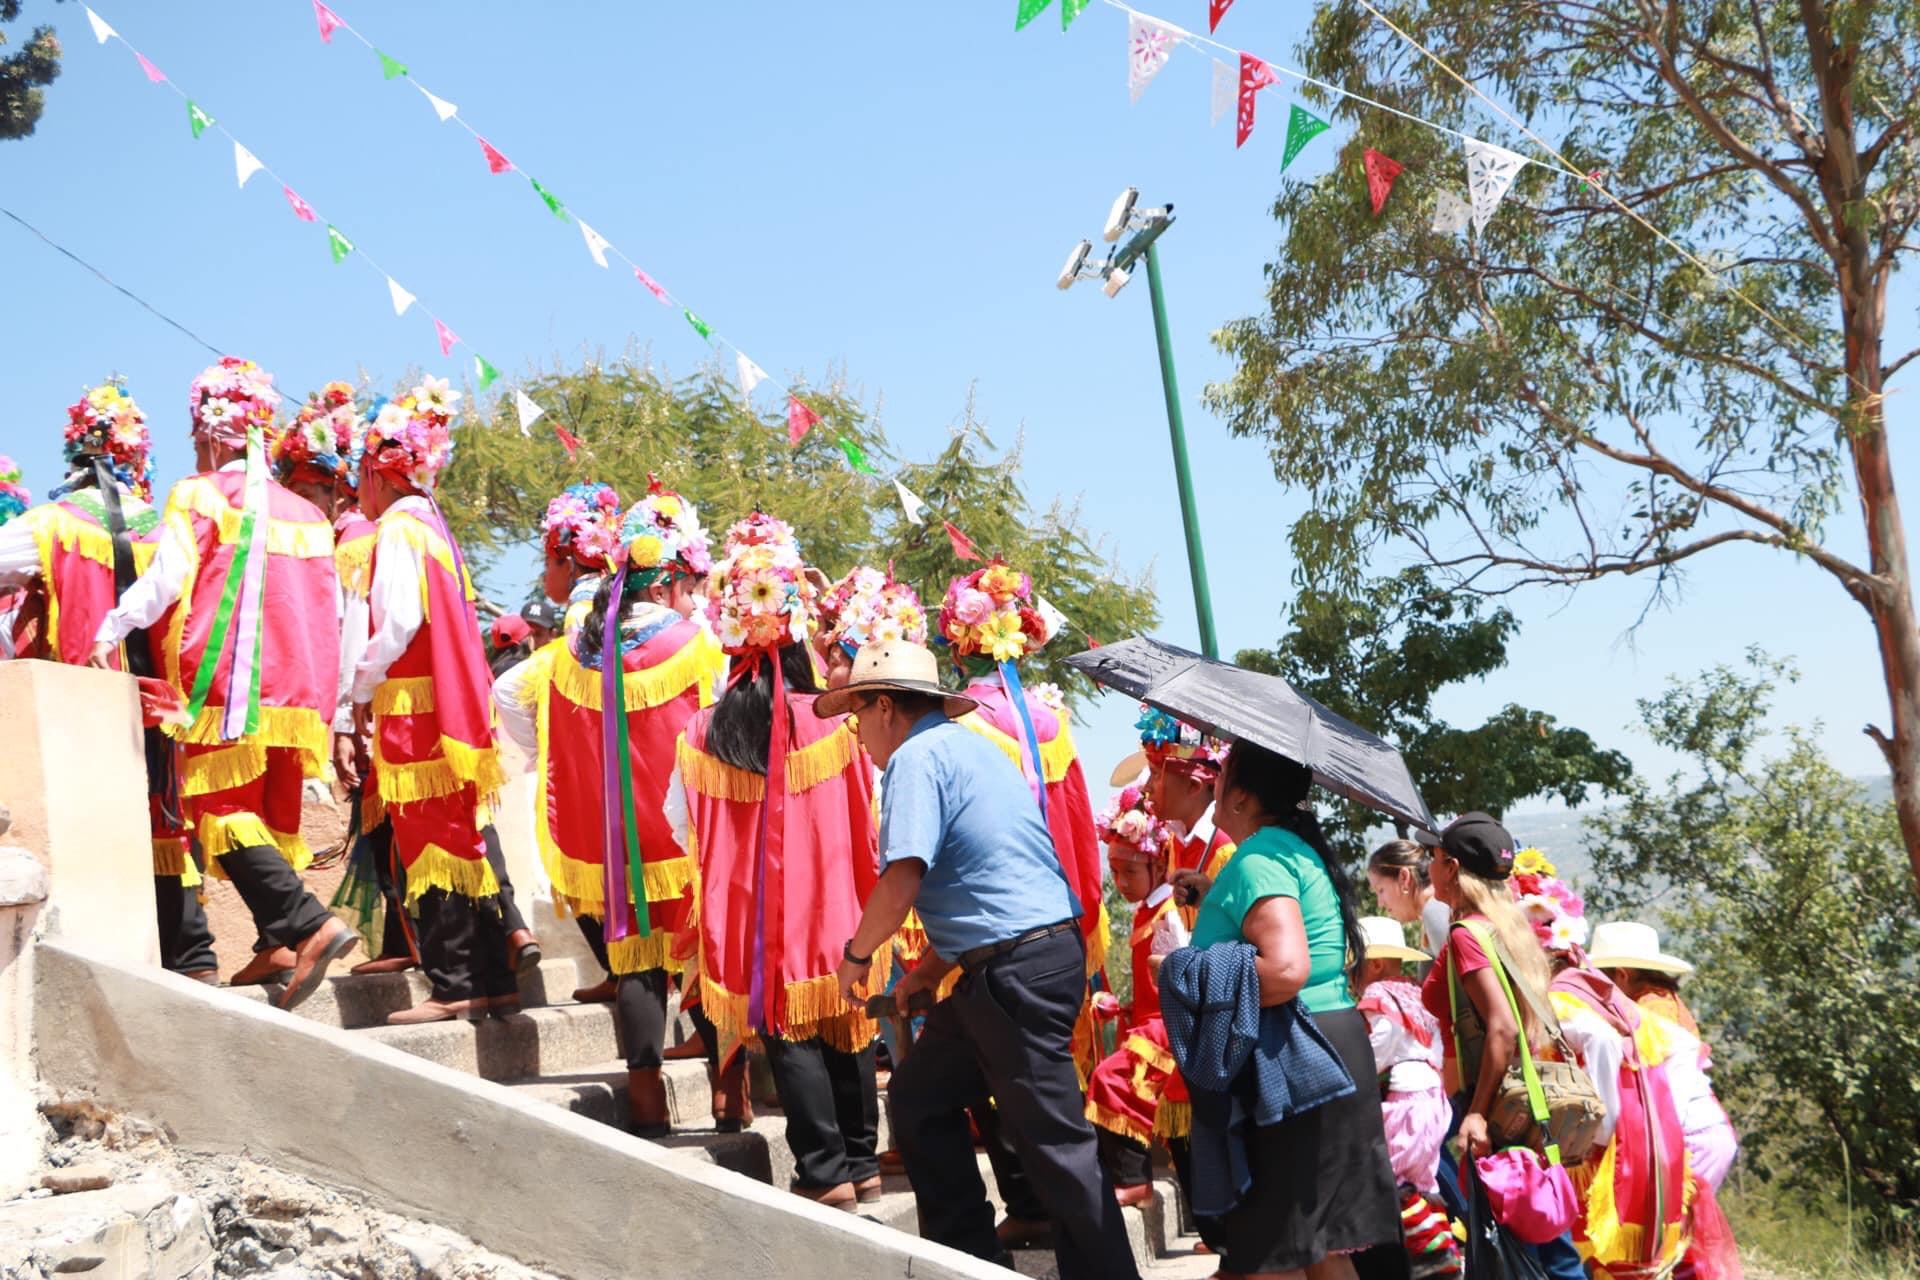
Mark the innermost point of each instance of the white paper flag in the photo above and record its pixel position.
(101, 31)
(1226, 90)
(401, 298)
(910, 503)
(1149, 44)
(527, 410)
(596, 244)
(1054, 620)
(751, 374)
(441, 107)
(1450, 214)
(245, 163)
(1490, 171)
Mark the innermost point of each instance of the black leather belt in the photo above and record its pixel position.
(973, 959)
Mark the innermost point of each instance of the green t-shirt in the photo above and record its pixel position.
(1275, 863)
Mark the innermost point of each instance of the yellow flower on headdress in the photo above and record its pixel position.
(1000, 635)
(1530, 861)
(667, 505)
(1000, 582)
(647, 551)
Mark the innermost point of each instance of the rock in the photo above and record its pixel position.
(6, 819)
(336, 1228)
(77, 1177)
(23, 881)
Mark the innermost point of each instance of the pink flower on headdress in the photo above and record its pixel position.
(759, 596)
(990, 613)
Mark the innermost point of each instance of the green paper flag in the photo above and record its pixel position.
(484, 371)
(699, 326)
(1029, 10)
(857, 457)
(1069, 10)
(338, 245)
(196, 118)
(391, 68)
(1302, 127)
(552, 201)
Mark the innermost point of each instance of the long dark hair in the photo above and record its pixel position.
(742, 724)
(1280, 787)
(593, 630)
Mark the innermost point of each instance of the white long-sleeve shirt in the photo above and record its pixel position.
(159, 587)
(518, 710)
(393, 599)
(20, 550)
(353, 644)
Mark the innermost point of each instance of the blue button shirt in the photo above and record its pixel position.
(952, 800)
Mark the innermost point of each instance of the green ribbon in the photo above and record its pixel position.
(229, 597)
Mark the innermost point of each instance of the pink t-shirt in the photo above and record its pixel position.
(1466, 956)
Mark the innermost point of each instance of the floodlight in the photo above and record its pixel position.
(1121, 213)
(1076, 258)
(1117, 278)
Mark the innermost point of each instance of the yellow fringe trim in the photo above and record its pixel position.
(228, 767)
(811, 765)
(1114, 1122)
(353, 565)
(404, 696)
(435, 868)
(170, 859)
(1218, 863)
(638, 954)
(1145, 1050)
(1056, 756)
(427, 542)
(583, 884)
(1173, 1119)
(1101, 943)
(73, 534)
(459, 766)
(222, 833)
(814, 1008)
(301, 728)
(696, 662)
(1610, 1241)
(301, 539)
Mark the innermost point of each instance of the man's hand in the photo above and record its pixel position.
(346, 760)
(102, 656)
(362, 720)
(853, 979)
(1189, 887)
(923, 977)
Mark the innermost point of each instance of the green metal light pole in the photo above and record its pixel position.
(1151, 224)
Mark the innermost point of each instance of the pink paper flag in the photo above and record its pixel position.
(496, 163)
(447, 336)
(154, 73)
(301, 209)
(329, 21)
(568, 441)
(800, 420)
(1255, 75)
(962, 545)
(653, 286)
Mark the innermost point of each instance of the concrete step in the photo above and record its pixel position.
(353, 1002)
(539, 1041)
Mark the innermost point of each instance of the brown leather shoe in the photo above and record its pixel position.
(647, 1114)
(275, 965)
(385, 964)
(1023, 1233)
(316, 951)
(732, 1108)
(598, 993)
(1135, 1195)
(839, 1196)
(693, 1048)
(502, 1006)
(209, 976)
(868, 1190)
(438, 1010)
(523, 951)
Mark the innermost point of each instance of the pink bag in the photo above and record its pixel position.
(1530, 1198)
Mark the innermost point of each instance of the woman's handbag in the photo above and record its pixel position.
(1549, 1106)
(1529, 1196)
(1492, 1251)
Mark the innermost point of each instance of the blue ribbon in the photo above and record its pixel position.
(1010, 680)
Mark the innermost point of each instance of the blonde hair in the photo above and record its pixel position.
(1527, 960)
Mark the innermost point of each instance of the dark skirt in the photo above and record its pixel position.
(1322, 1182)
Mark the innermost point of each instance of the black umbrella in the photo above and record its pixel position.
(1232, 702)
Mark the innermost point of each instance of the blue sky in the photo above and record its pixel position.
(886, 188)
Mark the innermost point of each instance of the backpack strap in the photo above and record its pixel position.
(1536, 1095)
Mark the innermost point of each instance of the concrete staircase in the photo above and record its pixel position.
(568, 1056)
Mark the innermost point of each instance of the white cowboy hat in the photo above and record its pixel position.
(1627, 944)
(1386, 940)
(896, 666)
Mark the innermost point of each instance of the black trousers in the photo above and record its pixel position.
(1009, 1175)
(832, 1108)
(282, 909)
(1007, 1031)
(463, 946)
(640, 1017)
(393, 933)
(186, 943)
(596, 935)
(497, 859)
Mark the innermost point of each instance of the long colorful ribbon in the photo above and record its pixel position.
(622, 830)
(249, 564)
(1010, 681)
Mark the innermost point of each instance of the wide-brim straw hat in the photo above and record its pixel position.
(894, 666)
(1628, 944)
(1128, 771)
(1385, 940)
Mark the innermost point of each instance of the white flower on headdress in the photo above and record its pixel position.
(1560, 935)
(392, 420)
(1540, 908)
(1578, 930)
(729, 632)
(1050, 696)
(435, 395)
(217, 410)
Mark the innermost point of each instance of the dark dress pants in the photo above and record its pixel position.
(186, 941)
(596, 935)
(282, 909)
(497, 859)
(640, 1016)
(1007, 1032)
(463, 946)
(832, 1108)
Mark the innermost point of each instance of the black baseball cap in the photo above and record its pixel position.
(541, 613)
(1477, 842)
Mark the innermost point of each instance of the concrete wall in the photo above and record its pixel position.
(527, 1180)
(23, 889)
(72, 771)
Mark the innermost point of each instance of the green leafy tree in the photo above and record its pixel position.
(24, 73)
(1381, 656)
(1562, 397)
(1787, 885)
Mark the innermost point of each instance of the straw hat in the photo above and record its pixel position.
(895, 666)
(1385, 940)
(1128, 771)
(1627, 944)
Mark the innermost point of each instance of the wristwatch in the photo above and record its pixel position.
(847, 951)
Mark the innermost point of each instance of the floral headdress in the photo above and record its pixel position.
(14, 497)
(230, 399)
(1129, 828)
(663, 537)
(584, 522)
(409, 438)
(323, 444)
(869, 607)
(990, 613)
(1168, 741)
(759, 598)
(106, 423)
(1556, 912)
